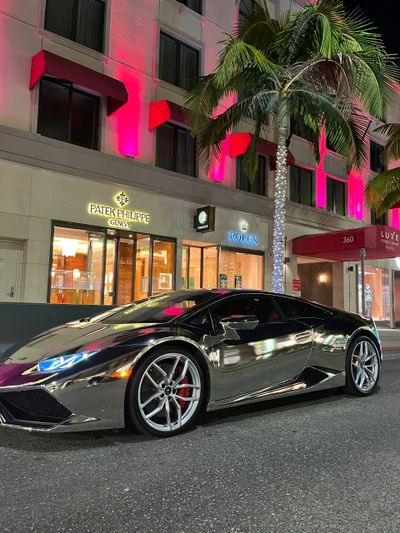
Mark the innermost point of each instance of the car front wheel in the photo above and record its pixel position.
(166, 392)
(362, 367)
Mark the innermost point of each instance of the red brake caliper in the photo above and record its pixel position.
(184, 392)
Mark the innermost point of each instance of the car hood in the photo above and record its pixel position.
(78, 336)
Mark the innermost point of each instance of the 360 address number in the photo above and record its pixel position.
(348, 240)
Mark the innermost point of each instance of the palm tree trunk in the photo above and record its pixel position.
(278, 245)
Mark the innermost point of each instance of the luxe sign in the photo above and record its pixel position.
(119, 217)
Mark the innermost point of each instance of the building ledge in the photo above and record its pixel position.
(32, 149)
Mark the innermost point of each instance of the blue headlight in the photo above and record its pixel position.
(63, 362)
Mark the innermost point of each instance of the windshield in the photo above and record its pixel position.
(158, 309)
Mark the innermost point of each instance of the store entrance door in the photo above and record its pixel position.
(134, 260)
(9, 263)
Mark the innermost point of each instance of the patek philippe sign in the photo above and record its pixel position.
(204, 219)
(242, 236)
(119, 217)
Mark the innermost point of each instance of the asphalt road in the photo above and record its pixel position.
(325, 463)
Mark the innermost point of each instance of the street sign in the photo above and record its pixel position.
(296, 285)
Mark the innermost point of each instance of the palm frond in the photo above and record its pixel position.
(383, 191)
(392, 148)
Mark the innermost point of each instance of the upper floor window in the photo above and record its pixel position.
(81, 21)
(376, 155)
(195, 5)
(246, 8)
(377, 220)
(302, 186)
(176, 149)
(179, 63)
(336, 196)
(256, 186)
(68, 114)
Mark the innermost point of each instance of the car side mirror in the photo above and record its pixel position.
(240, 322)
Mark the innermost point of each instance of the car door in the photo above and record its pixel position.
(275, 352)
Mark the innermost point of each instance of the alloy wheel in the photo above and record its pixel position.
(365, 366)
(169, 392)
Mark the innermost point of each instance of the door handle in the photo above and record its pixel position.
(305, 336)
(12, 292)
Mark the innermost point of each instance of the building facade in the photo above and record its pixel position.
(102, 199)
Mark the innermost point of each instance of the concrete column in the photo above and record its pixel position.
(338, 285)
(350, 289)
(178, 266)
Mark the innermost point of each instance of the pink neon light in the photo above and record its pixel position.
(320, 172)
(356, 194)
(218, 166)
(394, 214)
(130, 131)
(239, 143)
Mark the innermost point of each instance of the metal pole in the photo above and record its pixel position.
(362, 260)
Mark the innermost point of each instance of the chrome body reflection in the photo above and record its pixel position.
(243, 364)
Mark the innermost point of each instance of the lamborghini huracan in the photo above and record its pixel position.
(158, 364)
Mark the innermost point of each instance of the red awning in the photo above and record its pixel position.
(48, 63)
(163, 111)
(240, 143)
(380, 242)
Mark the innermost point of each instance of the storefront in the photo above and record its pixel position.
(205, 266)
(368, 254)
(377, 282)
(91, 265)
(113, 253)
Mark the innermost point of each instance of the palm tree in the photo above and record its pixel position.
(320, 66)
(383, 191)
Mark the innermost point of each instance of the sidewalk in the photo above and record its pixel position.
(390, 341)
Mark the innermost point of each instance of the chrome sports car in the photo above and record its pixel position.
(158, 363)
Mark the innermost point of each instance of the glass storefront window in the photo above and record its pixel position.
(109, 273)
(125, 272)
(142, 267)
(99, 267)
(376, 293)
(77, 266)
(240, 270)
(210, 267)
(195, 268)
(201, 268)
(163, 266)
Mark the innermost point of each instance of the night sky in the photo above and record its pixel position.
(386, 16)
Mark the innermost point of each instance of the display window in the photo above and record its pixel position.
(94, 266)
(240, 270)
(376, 293)
(213, 266)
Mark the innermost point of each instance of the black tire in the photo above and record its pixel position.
(352, 387)
(133, 412)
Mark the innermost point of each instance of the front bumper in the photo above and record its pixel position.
(75, 405)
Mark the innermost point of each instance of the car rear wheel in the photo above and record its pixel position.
(166, 392)
(362, 367)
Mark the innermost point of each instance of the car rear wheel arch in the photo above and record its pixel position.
(364, 333)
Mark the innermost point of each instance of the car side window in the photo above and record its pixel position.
(290, 307)
(293, 308)
(263, 307)
(201, 321)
